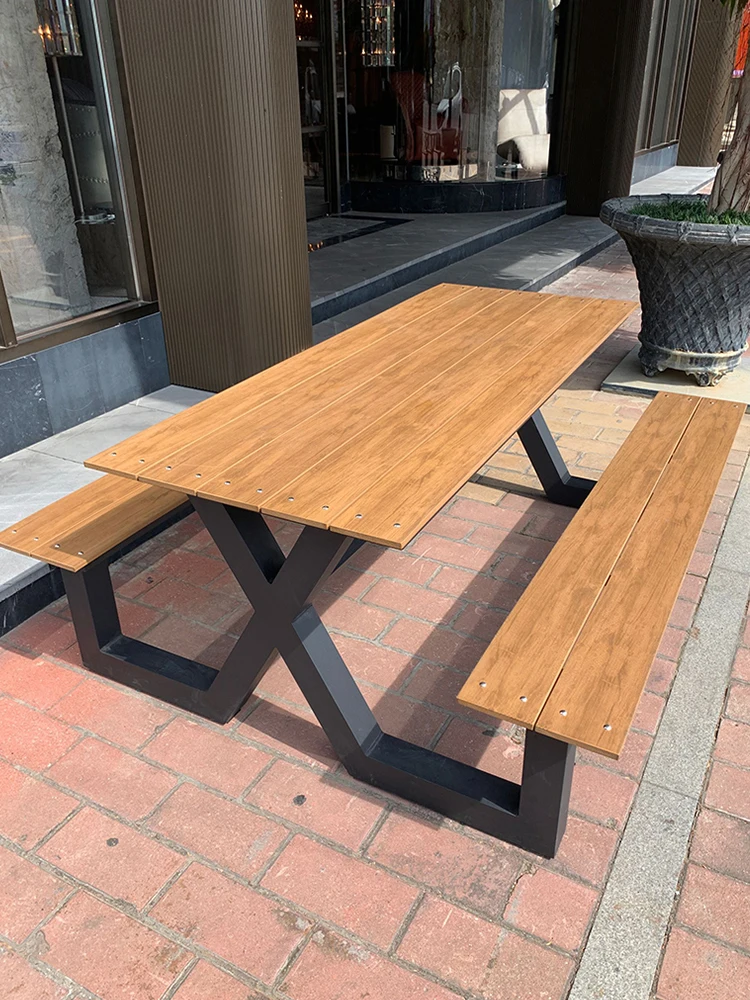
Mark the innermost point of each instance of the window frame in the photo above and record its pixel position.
(120, 148)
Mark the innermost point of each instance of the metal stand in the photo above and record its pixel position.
(557, 482)
(531, 815)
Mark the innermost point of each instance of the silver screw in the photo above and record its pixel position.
(563, 711)
(608, 727)
(483, 684)
(524, 698)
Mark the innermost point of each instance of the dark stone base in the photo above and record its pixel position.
(51, 390)
(413, 197)
(654, 161)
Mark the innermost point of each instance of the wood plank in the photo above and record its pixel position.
(416, 353)
(75, 530)
(523, 662)
(41, 527)
(405, 495)
(130, 456)
(360, 414)
(604, 676)
(329, 486)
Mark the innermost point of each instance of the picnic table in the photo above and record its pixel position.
(365, 437)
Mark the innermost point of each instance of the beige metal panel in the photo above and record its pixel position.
(216, 120)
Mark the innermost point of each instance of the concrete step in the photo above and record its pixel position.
(352, 273)
(527, 262)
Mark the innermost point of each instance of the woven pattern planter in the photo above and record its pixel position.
(694, 281)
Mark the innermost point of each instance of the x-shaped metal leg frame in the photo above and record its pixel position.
(277, 588)
(531, 815)
(549, 465)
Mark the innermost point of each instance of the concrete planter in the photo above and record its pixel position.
(695, 289)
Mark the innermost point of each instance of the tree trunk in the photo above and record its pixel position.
(731, 191)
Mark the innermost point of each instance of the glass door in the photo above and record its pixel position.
(315, 76)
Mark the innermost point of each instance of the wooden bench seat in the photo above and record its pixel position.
(73, 532)
(572, 659)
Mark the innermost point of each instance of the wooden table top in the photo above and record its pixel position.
(372, 432)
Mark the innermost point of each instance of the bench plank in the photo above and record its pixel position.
(399, 500)
(372, 429)
(285, 431)
(522, 664)
(75, 530)
(154, 445)
(603, 679)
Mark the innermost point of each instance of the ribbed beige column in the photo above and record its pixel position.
(709, 85)
(213, 89)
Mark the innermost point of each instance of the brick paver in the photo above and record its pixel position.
(146, 854)
(708, 952)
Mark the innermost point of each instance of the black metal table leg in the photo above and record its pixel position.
(556, 480)
(277, 589)
(531, 814)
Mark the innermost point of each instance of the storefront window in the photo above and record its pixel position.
(668, 62)
(64, 247)
(449, 90)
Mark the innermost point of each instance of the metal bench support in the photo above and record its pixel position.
(549, 465)
(531, 815)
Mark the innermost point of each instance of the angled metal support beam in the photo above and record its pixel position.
(549, 465)
(531, 814)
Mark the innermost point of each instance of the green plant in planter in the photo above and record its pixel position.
(692, 259)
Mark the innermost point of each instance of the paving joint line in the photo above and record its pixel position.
(624, 949)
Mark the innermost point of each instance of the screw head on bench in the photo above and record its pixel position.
(563, 711)
(523, 698)
(608, 727)
(483, 684)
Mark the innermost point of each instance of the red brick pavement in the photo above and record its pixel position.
(146, 855)
(708, 953)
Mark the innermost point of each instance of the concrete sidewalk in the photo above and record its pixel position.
(147, 855)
